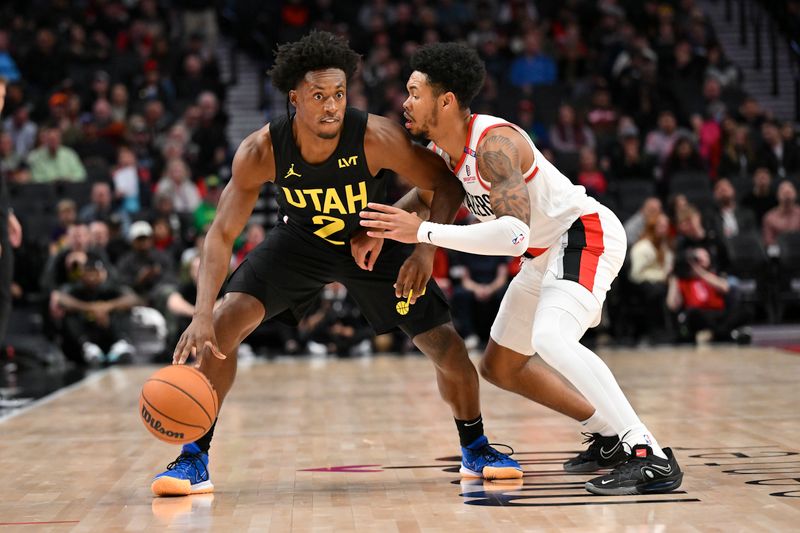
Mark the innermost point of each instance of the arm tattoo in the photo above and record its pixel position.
(498, 163)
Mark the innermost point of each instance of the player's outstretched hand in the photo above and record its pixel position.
(365, 249)
(396, 223)
(198, 340)
(415, 273)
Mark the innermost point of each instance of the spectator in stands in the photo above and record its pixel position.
(93, 146)
(590, 176)
(22, 130)
(697, 296)
(738, 157)
(483, 281)
(782, 158)
(66, 216)
(659, 142)
(10, 161)
(684, 158)
(101, 206)
(569, 134)
(177, 184)
(99, 235)
(44, 66)
(65, 266)
(126, 179)
(336, 325)
(719, 68)
(729, 218)
(785, 217)
(205, 212)
(651, 263)
(526, 120)
(54, 162)
(628, 161)
(96, 316)
(8, 67)
(209, 136)
(533, 67)
(155, 90)
(761, 198)
(146, 270)
(709, 142)
(691, 234)
(120, 102)
(634, 226)
(253, 236)
(141, 142)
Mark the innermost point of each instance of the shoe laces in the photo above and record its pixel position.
(593, 440)
(488, 452)
(186, 461)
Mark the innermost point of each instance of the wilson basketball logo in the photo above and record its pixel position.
(156, 425)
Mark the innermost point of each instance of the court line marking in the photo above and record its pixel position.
(91, 378)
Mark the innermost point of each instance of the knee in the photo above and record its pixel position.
(548, 342)
(495, 370)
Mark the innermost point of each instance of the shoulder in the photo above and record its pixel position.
(499, 137)
(382, 132)
(255, 152)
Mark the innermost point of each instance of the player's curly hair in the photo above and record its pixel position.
(316, 51)
(451, 67)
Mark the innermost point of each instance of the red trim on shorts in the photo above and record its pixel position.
(466, 146)
(591, 253)
(535, 252)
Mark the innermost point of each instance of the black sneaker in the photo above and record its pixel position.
(603, 452)
(642, 473)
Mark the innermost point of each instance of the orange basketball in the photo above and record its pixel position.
(178, 404)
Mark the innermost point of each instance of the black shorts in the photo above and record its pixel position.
(288, 270)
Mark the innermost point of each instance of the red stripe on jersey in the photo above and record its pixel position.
(590, 255)
(466, 146)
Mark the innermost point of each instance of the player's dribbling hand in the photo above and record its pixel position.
(415, 273)
(396, 223)
(197, 340)
(365, 249)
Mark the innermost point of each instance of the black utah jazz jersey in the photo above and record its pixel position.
(324, 200)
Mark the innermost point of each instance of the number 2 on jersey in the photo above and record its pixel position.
(333, 225)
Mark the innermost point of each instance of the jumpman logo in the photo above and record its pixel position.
(291, 172)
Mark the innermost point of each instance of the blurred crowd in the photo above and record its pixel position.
(113, 146)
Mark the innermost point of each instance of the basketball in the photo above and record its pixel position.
(402, 308)
(178, 404)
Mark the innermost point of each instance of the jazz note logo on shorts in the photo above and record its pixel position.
(404, 306)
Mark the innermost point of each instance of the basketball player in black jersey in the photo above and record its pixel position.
(327, 161)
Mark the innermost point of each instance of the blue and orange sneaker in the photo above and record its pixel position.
(188, 474)
(479, 459)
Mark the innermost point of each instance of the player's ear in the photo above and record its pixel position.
(448, 100)
(293, 97)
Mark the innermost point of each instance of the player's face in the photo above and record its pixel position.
(320, 100)
(420, 109)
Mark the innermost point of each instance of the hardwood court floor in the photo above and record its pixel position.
(369, 446)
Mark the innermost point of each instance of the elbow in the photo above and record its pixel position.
(519, 242)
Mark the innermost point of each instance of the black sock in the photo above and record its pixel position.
(469, 430)
(204, 442)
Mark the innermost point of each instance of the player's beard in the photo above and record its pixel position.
(426, 129)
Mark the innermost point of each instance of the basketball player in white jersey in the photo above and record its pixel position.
(573, 248)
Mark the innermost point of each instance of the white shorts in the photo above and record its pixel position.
(584, 264)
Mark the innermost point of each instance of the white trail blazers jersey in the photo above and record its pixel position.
(555, 201)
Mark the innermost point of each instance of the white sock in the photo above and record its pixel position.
(597, 424)
(639, 434)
